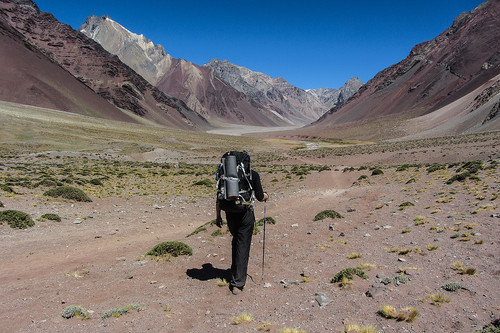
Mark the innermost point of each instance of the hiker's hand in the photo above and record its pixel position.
(266, 196)
(218, 222)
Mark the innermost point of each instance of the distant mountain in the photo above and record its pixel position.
(139, 53)
(276, 94)
(446, 86)
(202, 91)
(28, 77)
(96, 68)
(334, 97)
(218, 90)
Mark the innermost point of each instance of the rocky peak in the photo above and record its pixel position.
(137, 51)
(277, 94)
(100, 71)
(27, 4)
(334, 97)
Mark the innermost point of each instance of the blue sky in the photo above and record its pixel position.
(311, 44)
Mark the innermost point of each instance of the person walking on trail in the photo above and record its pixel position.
(240, 222)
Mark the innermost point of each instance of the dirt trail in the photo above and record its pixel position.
(99, 263)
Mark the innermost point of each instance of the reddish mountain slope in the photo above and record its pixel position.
(29, 77)
(102, 72)
(202, 91)
(211, 97)
(436, 73)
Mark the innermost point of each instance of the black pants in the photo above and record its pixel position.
(241, 227)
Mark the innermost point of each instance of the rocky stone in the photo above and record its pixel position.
(322, 299)
(375, 291)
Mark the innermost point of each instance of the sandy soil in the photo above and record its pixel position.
(99, 264)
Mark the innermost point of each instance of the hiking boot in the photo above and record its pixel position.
(235, 290)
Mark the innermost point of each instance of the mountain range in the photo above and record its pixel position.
(79, 67)
(217, 90)
(446, 86)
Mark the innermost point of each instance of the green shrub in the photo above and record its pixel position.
(327, 213)
(6, 188)
(201, 228)
(269, 220)
(74, 311)
(435, 167)
(170, 248)
(452, 286)
(348, 273)
(16, 219)
(377, 171)
(460, 177)
(403, 167)
(96, 181)
(405, 205)
(117, 312)
(52, 217)
(1, 204)
(68, 192)
(494, 327)
(48, 182)
(473, 167)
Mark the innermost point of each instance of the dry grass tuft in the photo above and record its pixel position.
(243, 318)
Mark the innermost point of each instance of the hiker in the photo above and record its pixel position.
(239, 213)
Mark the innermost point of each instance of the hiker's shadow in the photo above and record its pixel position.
(208, 272)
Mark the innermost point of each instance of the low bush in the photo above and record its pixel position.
(117, 312)
(377, 172)
(269, 220)
(403, 167)
(16, 219)
(348, 273)
(170, 248)
(473, 166)
(452, 286)
(408, 314)
(74, 311)
(327, 213)
(243, 318)
(68, 192)
(458, 177)
(494, 327)
(51, 216)
(438, 298)
(201, 228)
(6, 188)
(405, 205)
(96, 181)
(435, 167)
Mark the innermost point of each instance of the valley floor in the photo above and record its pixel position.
(406, 228)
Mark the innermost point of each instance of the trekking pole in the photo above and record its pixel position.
(264, 240)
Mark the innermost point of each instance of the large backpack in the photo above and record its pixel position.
(234, 186)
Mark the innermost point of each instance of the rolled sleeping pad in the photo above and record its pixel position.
(230, 167)
(232, 187)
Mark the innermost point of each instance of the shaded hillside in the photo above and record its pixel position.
(28, 77)
(436, 73)
(102, 72)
